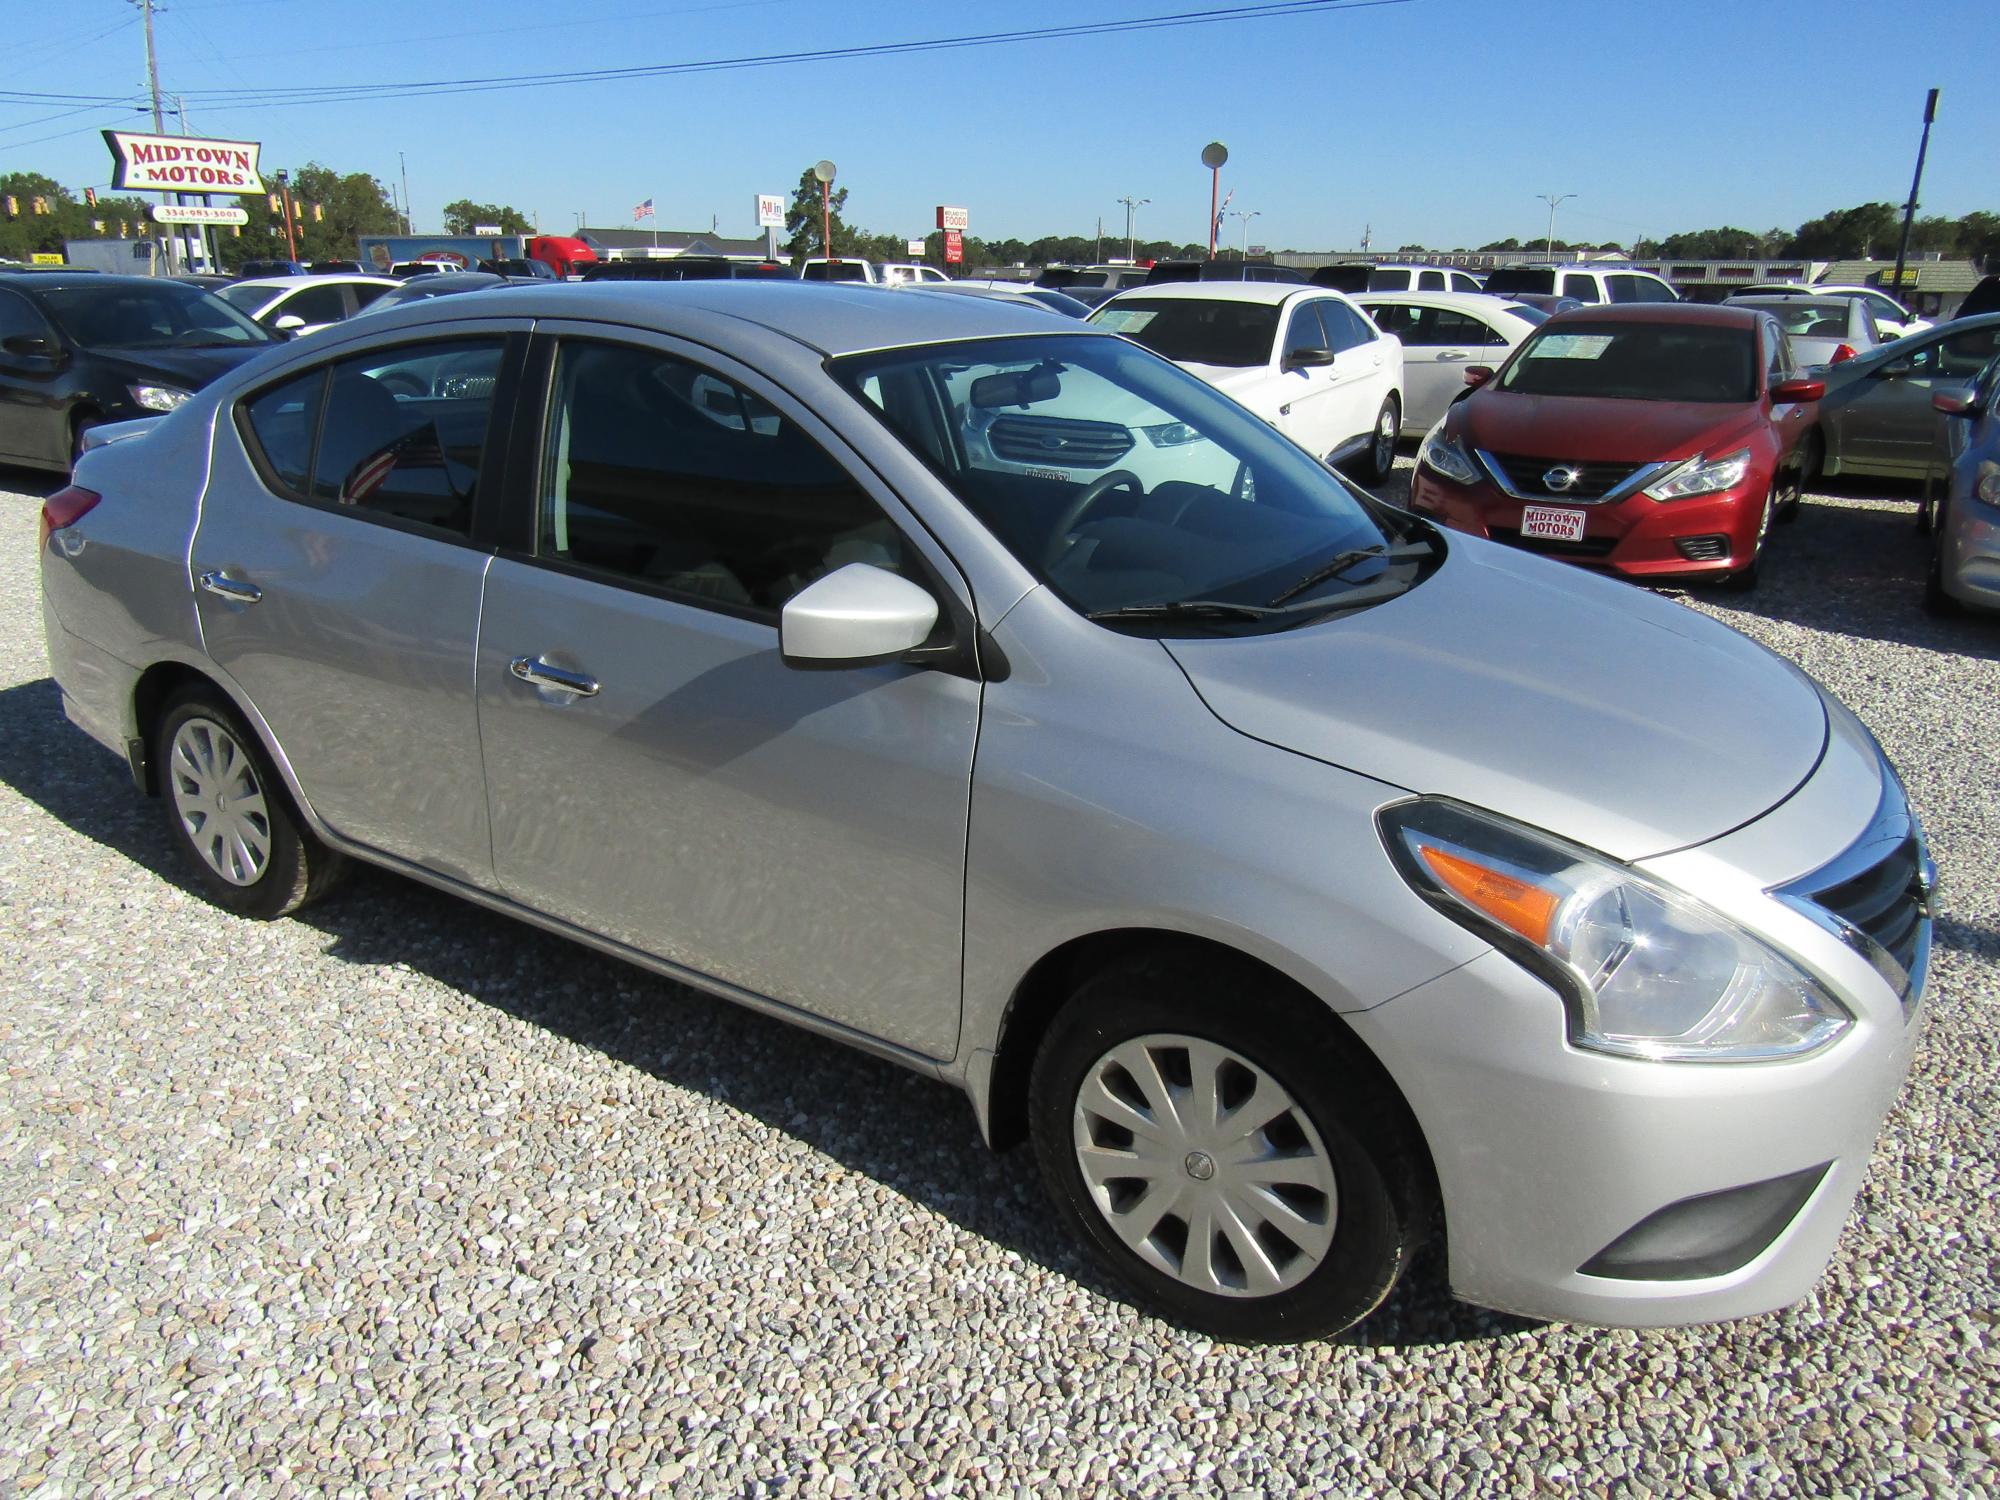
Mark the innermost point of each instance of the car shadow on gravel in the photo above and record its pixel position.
(36, 483)
(910, 1134)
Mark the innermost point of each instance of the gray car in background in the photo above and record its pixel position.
(1876, 416)
(1821, 330)
(1965, 536)
(1297, 877)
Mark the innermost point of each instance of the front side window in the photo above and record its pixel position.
(1636, 361)
(1305, 331)
(313, 305)
(18, 318)
(1345, 328)
(1195, 330)
(403, 430)
(1124, 483)
(659, 473)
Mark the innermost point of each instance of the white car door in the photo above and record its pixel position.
(1438, 344)
(1363, 373)
(1308, 409)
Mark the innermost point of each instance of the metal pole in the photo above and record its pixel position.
(826, 225)
(1910, 208)
(159, 124)
(1132, 207)
(1552, 199)
(407, 220)
(1214, 188)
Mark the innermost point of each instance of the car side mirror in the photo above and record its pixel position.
(1301, 359)
(1478, 375)
(288, 325)
(1799, 389)
(1895, 370)
(1952, 403)
(856, 616)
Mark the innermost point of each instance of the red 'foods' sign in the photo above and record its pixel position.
(184, 164)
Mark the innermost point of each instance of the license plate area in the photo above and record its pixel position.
(1551, 523)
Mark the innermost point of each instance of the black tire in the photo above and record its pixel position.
(297, 868)
(1379, 457)
(1802, 477)
(1380, 1171)
(78, 426)
(1744, 579)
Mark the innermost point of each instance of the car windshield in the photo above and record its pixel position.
(1195, 330)
(1528, 314)
(1127, 484)
(1636, 362)
(431, 286)
(124, 314)
(840, 270)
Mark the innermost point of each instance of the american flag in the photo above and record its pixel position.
(643, 211)
(414, 450)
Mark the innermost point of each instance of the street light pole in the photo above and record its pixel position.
(1132, 207)
(1910, 208)
(1552, 199)
(1245, 219)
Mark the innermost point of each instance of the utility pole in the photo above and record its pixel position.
(159, 121)
(1132, 207)
(1910, 208)
(1100, 240)
(1367, 237)
(407, 220)
(1552, 199)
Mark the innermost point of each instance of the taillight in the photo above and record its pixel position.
(65, 508)
(1845, 351)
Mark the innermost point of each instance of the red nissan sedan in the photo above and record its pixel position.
(1656, 441)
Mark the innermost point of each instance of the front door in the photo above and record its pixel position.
(1890, 427)
(33, 423)
(656, 773)
(1310, 412)
(338, 583)
(1358, 385)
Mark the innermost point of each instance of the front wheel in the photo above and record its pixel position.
(1229, 1156)
(1380, 456)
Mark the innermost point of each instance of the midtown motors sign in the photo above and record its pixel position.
(183, 164)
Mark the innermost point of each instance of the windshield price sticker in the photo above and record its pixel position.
(1124, 320)
(1551, 523)
(1571, 346)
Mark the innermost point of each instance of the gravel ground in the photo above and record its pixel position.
(404, 1198)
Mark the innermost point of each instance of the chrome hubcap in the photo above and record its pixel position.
(1204, 1166)
(220, 801)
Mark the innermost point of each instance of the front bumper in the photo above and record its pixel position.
(1551, 1159)
(1634, 538)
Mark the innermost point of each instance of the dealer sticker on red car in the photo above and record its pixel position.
(1551, 523)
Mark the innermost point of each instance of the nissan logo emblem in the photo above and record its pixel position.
(1560, 478)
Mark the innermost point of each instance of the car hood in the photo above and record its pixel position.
(190, 369)
(1598, 429)
(1580, 705)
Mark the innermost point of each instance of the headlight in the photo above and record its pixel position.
(1171, 434)
(1645, 970)
(1446, 457)
(158, 397)
(1702, 476)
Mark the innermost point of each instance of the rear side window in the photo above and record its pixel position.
(402, 432)
(1431, 281)
(1380, 280)
(366, 292)
(311, 305)
(660, 473)
(1393, 317)
(1583, 288)
(281, 422)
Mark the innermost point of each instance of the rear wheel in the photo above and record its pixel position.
(229, 814)
(1227, 1153)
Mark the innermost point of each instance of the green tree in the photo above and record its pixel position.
(1848, 233)
(465, 216)
(1711, 244)
(803, 226)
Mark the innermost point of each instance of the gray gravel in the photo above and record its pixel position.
(403, 1198)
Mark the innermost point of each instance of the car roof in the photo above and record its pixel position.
(1407, 265)
(1471, 302)
(1781, 299)
(1696, 314)
(46, 279)
(1226, 291)
(323, 278)
(829, 317)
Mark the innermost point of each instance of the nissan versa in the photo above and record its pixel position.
(1301, 879)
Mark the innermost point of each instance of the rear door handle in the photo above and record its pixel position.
(217, 582)
(532, 669)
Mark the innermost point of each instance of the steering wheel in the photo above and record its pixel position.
(1077, 509)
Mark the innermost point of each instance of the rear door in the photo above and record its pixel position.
(1438, 344)
(657, 774)
(338, 571)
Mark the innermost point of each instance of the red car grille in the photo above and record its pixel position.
(1528, 476)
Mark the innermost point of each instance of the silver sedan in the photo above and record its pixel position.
(986, 692)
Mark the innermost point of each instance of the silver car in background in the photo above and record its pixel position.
(1821, 330)
(1876, 416)
(1965, 535)
(1300, 879)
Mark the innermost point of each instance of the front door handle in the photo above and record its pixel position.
(532, 669)
(217, 582)
(1450, 354)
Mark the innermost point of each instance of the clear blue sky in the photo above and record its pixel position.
(1436, 121)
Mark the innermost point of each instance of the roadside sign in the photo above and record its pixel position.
(916, 247)
(770, 211)
(183, 164)
(45, 258)
(954, 247)
(486, 229)
(952, 218)
(196, 213)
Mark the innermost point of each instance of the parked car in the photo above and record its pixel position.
(1892, 319)
(257, 268)
(207, 281)
(1656, 443)
(1597, 284)
(1303, 358)
(1320, 876)
(840, 268)
(687, 268)
(424, 288)
(293, 305)
(78, 349)
(1093, 285)
(1045, 298)
(337, 267)
(518, 265)
(1822, 330)
(908, 273)
(1169, 271)
(403, 270)
(1877, 416)
(1443, 334)
(1394, 278)
(1965, 535)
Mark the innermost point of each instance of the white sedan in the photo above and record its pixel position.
(298, 305)
(1443, 334)
(1303, 358)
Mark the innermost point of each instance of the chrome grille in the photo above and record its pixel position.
(1528, 476)
(1885, 902)
(1058, 441)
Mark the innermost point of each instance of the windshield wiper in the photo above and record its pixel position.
(1186, 609)
(1421, 547)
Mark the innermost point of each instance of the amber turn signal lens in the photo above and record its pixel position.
(1516, 904)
